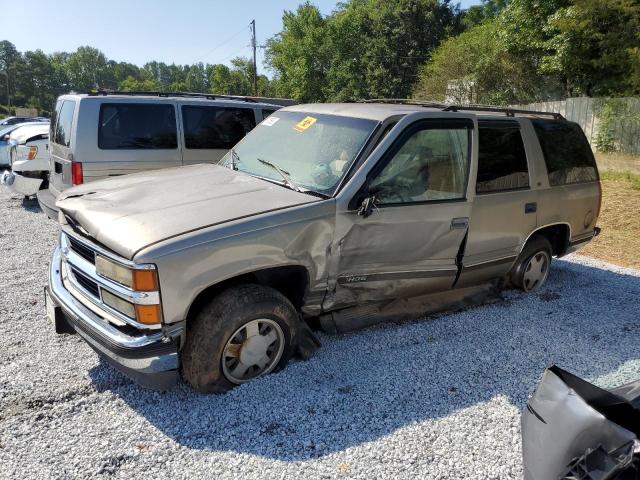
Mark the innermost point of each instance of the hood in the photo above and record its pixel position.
(128, 213)
(25, 131)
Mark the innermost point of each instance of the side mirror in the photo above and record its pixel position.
(367, 206)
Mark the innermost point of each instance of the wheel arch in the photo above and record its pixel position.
(290, 280)
(558, 234)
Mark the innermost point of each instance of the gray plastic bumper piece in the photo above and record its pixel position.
(574, 430)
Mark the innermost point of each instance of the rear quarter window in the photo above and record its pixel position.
(215, 127)
(567, 153)
(137, 126)
(502, 161)
(63, 123)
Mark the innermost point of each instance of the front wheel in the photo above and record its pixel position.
(243, 333)
(532, 267)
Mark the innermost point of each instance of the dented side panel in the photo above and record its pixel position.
(400, 251)
(296, 236)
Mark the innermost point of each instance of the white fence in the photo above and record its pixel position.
(612, 125)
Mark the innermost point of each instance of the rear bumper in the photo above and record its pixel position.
(13, 182)
(151, 360)
(47, 203)
(578, 242)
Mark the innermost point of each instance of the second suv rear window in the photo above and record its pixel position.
(135, 126)
(502, 162)
(63, 122)
(566, 152)
(216, 127)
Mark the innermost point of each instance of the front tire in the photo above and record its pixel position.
(532, 267)
(243, 333)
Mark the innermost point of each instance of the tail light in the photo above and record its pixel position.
(76, 173)
(599, 198)
(31, 154)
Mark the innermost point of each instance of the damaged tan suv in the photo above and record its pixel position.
(324, 215)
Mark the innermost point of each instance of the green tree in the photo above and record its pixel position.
(477, 14)
(477, 67)
(9, 58)
(378, 46)
(594, 47)
(298, 54)
(35, 81)
(364, 49)
(87, 70)
(133, 84)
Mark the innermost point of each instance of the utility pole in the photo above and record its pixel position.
(255, 66)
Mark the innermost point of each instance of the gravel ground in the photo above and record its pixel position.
(434, 399)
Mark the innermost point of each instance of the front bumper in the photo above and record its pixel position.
(13, 182)
(151, 359)
(47, 202)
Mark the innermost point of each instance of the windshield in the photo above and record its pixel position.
(313, 151)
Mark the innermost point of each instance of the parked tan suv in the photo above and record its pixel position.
(325, 211)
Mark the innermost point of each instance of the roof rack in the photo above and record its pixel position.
(208, 96)
(446, 107)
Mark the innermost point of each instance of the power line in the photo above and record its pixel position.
(202, 57)
(234, 54)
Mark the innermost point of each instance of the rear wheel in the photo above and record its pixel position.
(532, 267)
(243, 333)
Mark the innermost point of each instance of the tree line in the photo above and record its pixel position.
(35, 79)
(498, 52)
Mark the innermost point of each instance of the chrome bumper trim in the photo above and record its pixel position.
(151, 359)
(81, 313)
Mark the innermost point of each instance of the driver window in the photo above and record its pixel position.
(431, 165)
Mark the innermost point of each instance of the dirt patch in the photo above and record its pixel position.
(620, 162)
(619, 242)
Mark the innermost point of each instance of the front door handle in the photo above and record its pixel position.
(530, 207)
(460, 222)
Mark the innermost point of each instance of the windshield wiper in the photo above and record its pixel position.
(235, 158)
(284, 174)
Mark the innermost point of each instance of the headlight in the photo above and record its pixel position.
(118, 304)
(140, 280)
(32, 152)
(137, 279)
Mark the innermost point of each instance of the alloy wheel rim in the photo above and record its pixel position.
(253, 350)
(536, 271)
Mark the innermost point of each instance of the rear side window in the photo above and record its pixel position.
(137, 126)
(566, 151)
(64, 121)
(215, 127)
(502, 162)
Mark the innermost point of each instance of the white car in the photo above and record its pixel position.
(28, 153)
(5, 134)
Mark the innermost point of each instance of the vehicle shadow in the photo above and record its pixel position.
(30, 204)
(362, 386)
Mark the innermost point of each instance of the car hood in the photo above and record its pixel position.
(131, 212)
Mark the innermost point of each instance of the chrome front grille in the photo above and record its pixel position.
(83, 282)
(85, 252)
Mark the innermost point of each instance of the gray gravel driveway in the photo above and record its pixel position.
(439, 398)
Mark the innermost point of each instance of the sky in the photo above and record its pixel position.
(138, 31)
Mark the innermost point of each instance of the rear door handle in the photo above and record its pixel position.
(530, 207)
(460, 222)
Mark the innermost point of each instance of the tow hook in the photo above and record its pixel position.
(596, 231)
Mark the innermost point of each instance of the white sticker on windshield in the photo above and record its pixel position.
(270, 121)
